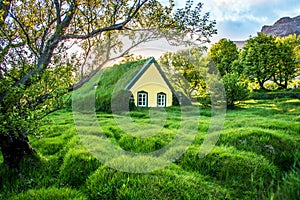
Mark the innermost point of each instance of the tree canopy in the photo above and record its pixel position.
(265, 58)
(223, 54)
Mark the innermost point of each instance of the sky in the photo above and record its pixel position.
(238, 19)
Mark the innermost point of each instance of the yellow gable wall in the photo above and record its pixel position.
(152, 82)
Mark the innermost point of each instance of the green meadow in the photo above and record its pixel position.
(256, 157)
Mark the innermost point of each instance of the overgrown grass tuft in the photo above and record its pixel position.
(247, 172)
(50, 194)
(257, 157)
(289, 187)
(169, 183)
(279, 147)
(77, 166)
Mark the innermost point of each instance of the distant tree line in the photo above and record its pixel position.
(263, 58)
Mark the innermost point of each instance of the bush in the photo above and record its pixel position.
(235, 88)
(50, 194)
(77, 166)
(274, 95)
(169, 183)
(243, 171)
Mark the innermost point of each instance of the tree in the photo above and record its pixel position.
(35, 70)
(259, 58)
(186, 69)
(287, 60)
(223, 54)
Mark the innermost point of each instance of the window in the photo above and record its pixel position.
(142, 100)
(161, 100)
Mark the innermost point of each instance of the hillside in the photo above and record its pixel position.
(283, 27)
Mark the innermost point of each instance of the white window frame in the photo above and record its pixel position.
(142, 99)
(161, 100)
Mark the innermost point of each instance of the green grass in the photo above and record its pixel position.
(257, 156)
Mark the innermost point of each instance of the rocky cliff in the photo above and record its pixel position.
(283, 27)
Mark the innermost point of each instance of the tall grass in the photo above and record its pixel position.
(256, 157)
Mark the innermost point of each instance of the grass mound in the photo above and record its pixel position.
(242, 170)
(50, 194)
(169, 183)
(77, 166)
(278, 147)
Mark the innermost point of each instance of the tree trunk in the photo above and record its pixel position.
(261, 85)
(14, 149)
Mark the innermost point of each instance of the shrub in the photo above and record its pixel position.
(77, 166)
(50, 194)
(235, 88)
(274, 95)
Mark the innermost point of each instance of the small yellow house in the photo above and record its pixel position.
(150, 86)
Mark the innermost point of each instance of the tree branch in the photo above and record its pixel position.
(26, 35)
(57, 8)
(119, 26)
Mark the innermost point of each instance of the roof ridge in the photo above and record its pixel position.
(139, 73)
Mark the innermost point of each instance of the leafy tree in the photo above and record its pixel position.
(187, 69)
(259, 58)
(36, 70)
(286, 67)
(223, 54)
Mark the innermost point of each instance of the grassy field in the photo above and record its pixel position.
(256, 157)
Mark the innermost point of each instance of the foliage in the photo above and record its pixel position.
(258, 58)
(275, 94)
(223, 54)
(236, 89)
(287, 65)
(265, 58)
(186, 70)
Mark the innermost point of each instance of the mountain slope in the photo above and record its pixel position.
(283, 27)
